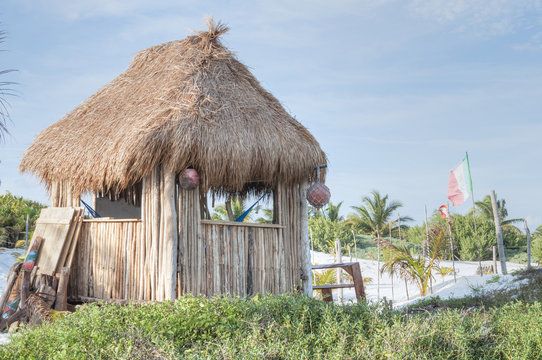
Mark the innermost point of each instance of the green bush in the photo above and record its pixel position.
(13, 212)
(536, 250)
(280, 327)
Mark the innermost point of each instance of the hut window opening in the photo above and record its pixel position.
(124, 205)
(250, 208)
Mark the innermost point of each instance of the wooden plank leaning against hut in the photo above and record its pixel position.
(186, 104)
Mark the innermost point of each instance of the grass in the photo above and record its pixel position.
(294, 327)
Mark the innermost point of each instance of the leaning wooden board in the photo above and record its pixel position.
(53, 226)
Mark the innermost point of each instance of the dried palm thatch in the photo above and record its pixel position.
(183, 103)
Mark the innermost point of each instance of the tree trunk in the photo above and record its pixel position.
(378, 266)
(306, 258)
(528, 234)
(498, 230)
(229, 209)
(339, 271)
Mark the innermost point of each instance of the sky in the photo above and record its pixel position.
(395, 91)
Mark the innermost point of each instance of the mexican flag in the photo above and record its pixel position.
(460, 184)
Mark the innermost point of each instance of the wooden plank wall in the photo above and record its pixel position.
(109, 263)
(239, 259)
(124, 259)
(61, 195)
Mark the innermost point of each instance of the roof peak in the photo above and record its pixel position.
(215, 30)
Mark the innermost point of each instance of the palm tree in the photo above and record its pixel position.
(375, 213)
(413, 268)
(373, 216)
(267, 217)
(486, 210)
(332, 212)
(4, 90)
(220, 212)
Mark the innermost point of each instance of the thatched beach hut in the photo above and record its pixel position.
(183, 104)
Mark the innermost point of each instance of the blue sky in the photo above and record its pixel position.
(394, 91)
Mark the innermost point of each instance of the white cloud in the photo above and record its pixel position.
(481, 17)
(73, 10)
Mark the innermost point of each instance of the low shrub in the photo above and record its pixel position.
(281, 327)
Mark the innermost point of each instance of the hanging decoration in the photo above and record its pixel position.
(318, 194)
(189, 179)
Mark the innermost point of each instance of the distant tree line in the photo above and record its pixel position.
(13, 212)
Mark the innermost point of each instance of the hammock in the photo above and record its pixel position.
(244, 215)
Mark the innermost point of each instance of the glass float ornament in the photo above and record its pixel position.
(189, 179)
(318, 195)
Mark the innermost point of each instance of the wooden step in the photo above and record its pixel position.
(331, 266)
(336, 286)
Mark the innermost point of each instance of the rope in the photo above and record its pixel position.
(91, 211)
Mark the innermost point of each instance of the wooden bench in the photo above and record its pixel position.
(353, 270)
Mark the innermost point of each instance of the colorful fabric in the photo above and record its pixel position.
(460, 184)
(11, 308)
(30, 260)
(444, 212)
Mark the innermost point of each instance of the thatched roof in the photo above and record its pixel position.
(183, 103)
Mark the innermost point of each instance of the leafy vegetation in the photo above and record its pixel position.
(283, 327)
(4, 90)
(13, 212)
(399, 259)
(485, 208)
(375, 214)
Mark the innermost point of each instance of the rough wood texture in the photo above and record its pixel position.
(170, 236)
(18, 315)
(353, 269)
(129, 259)
(38, 309)
(25, 287)
(12, 278)
(498, 230)
(108, 261)
(305, 252)
(53, 225)
(62, 291)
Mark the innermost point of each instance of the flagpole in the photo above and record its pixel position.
(424, 248)
(474, 216)
(451, 238)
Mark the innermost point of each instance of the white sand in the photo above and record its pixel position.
(7, 258)
(467, 281)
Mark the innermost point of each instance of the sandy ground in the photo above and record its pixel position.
(467, 281)
(7, 258)
(394, 289)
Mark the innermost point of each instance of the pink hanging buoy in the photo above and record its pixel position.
(318, 195)
(189, 179)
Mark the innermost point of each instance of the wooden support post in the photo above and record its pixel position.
(61, 303)
(306, 250)
(498, 230)
(358, 282)
(16, 316)
(250, 261)
(528, 234)
(494, 259)
(25, 287)
(327, 295)
(339, 271)
(353, 269)
(451, 245)
(171, 235)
